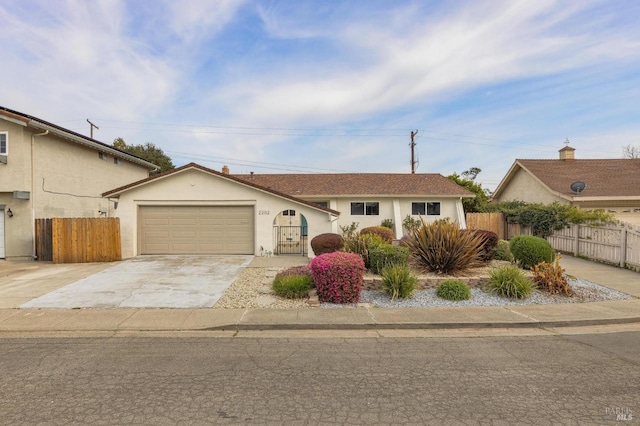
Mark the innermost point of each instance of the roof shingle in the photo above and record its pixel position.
(604, 177)
(359, 184)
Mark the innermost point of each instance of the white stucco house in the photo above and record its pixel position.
(49, 171)
(194, 209)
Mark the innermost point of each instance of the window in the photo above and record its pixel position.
(433, 209)
(324, 204)
(430, 209)
(102, 156)
(369, 209)
(289, 213)
(4, 143)
(117, 161)
(418, 208)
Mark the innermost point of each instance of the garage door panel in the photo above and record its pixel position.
(196, 230)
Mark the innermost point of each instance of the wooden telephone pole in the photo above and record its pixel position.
(413, 156)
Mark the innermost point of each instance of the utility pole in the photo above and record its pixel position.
(91, 127)
(413, 145)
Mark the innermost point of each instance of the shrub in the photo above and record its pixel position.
(550, 277)
(349, 230)
(489, 242)
(398, 281)
(387, 223)
(410, 224)
(528, 250)
(385, 233)
(295, 270)
(453, 290)
(509, 281)
(383, 255)
(338, 277)
(362, 244)
(441, 247)
(292, 286)
(502, 252)
(326, 243)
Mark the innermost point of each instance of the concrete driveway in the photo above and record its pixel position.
(150, 282)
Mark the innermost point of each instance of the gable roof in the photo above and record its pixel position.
(194, 166)
(605, 178)
(31, 121)
(360, 184)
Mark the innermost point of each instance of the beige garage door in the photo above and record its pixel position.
(196, 230)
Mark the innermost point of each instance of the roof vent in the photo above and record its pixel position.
(225, 170)
(567, 153)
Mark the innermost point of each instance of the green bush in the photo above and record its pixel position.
(441, 247)
(387, 223)
(362, 244)
(453, 290)
(292, 286)
(502, 251)
(510, 281)
(383, 232)
(384, 255)
(326, 243)
(398, 281)
(528, 250)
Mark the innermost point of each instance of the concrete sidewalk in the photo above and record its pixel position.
(527, 316)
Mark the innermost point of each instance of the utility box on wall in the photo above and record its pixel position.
(21, 195)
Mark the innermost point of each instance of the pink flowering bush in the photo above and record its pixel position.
(338, 277)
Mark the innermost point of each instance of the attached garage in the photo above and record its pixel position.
(196, 229)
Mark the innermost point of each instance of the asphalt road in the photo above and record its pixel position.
(586, 379)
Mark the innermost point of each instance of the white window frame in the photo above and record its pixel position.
(366, 205)
(426, 208)
(6, 143)
(103, 156)
(117, 161)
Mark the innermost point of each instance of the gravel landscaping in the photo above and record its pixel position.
(252, 290)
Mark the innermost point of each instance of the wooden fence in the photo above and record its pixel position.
(619, 245)
(78, 240)
(611, 244)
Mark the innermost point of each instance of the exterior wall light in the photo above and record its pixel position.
(9, 213)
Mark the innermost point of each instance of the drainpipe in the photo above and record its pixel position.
(33, 193)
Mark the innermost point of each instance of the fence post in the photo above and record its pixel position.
(576, 239)
(623, 247)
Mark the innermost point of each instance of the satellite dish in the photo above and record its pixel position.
(578, 187)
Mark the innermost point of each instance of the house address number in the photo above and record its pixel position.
(263, 212)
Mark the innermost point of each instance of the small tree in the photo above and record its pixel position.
(467, 180)
(147, 151)
(631, 151)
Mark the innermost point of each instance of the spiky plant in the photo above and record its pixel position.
(441, 247)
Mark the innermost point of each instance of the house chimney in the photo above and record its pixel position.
(225, 170)
(567, 153)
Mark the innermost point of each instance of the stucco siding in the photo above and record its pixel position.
(196, 188)
(12, 175)
(523, 187)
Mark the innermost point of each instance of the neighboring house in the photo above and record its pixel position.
(49, 171)
(194, 209)
(610, 184)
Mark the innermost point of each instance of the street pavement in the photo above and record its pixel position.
(13, 282)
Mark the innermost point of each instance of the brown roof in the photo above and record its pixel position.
(357, 184)
(604, 178)
(118, 191)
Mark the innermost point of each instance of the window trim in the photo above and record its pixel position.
(103, 156)
(365, 208)
(6, 143)
(426, 208)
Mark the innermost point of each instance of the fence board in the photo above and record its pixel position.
(494, 222)
(78, 240)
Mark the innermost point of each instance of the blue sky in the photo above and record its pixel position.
(332, 86)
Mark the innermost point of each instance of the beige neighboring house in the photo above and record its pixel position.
(49, 171)
(609, 184)
(193, 209)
